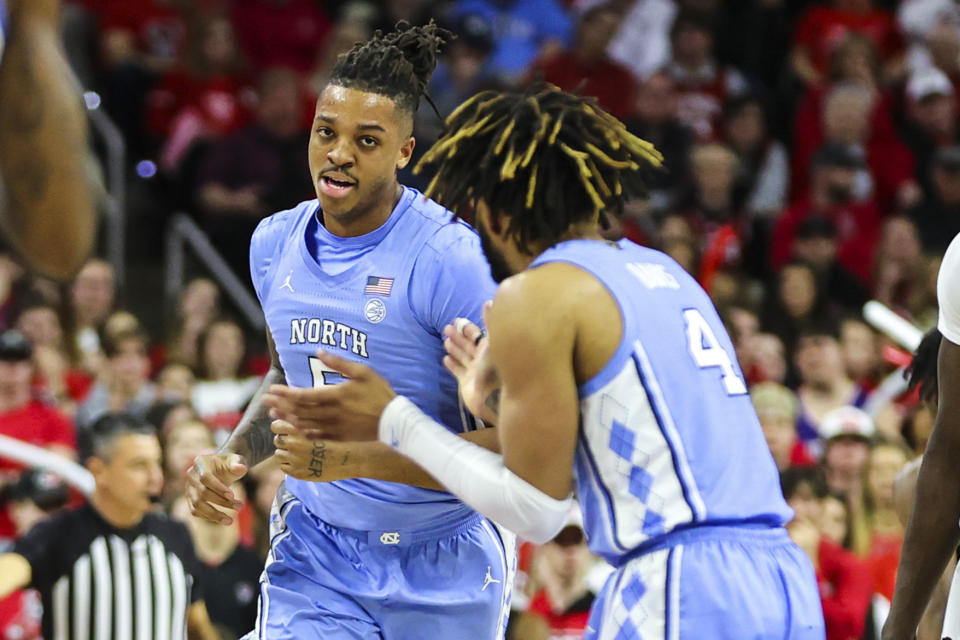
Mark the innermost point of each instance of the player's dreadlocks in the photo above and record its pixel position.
(922, 372)
(397, 65)
(545, 159)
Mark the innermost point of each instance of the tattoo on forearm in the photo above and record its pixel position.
(317, 456)
(493, 401)
(252, 438)
(344, 462)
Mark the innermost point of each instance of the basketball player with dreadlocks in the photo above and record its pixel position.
(608, 371)
(364, 544)
(932, 532)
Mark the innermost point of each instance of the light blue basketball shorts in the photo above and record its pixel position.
(721, 583)
(320, 581)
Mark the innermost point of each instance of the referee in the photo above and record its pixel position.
(113, 569)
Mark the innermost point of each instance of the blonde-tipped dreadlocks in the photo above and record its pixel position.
(544, 159)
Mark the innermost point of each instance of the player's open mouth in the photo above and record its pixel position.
(334, 187)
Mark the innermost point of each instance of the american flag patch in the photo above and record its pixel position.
(378, 286)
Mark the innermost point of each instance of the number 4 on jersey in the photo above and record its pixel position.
(707, 352)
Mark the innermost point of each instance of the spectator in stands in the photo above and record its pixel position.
(181, 444)
(861, 352)
(844, 581)
(815, 243)
(901, 270)
(847, 432)
(834, 171)
(655, 119)
(23, 417)
(824, 383)
(229, 572)
(91, 299)
(208, 96)
(931, 120)
(223, 391)
(257, 170)
(764, 165)
(35, 497)
(776, 407)
(561, 588)
(886, 531)
(937, 216)
(175, 382)
(793, 303)
(767, 358)
(587, 68)
(167, 414)
(703, 83)
(836, 521)
(197, 306)
(919, 20)
(821, 27)
(281, 33)
(524, 30)
(712, 210)
(138, 42)
(642, 43)
(125, 384)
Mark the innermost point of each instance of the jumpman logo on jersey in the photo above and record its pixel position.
(286, 283)
(489, 579)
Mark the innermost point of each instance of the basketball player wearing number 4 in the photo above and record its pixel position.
(606, 369)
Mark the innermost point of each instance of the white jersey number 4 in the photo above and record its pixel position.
(707, 352)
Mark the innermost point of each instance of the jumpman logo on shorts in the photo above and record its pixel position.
(286, 283)
(489, 579)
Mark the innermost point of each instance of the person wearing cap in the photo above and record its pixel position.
(930, 119)
(776, 406)
(847, 432)
(24, 417)
(113, 568)
(937, 216)
(833, 174)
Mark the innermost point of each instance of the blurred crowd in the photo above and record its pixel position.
(812, 154)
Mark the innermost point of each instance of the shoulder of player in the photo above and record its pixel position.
(274, 225)
(549, 294)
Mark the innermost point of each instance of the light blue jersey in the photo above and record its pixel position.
(359, 559)
(677, 485)
(385, 307)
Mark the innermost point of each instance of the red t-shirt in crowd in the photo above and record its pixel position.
(21, 615)
(821, 29)
(845, 591)
(884, 559)
(606, 80)
(35, 424)
(159, 29)
(569, 625)
(858, 230)
(224, 103)
(281, 35)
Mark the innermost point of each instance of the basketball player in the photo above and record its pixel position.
(932, 534)
(49, 182)
(374, 271)
(612, 374)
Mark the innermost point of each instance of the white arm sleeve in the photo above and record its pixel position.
(948, 293)
(473, 474)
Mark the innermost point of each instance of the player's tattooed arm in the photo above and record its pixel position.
(252, 437)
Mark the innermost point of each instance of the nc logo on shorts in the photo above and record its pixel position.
(391, 537)
(375, 311)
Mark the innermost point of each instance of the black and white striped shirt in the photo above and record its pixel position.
(102, 583)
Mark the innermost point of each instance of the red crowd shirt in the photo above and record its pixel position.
(20, 616)
(287, 35)
(35, 424)
(821, 29)
(158, 29)
(224, 103)
(845, 591)
(609, 82)
(569, 625)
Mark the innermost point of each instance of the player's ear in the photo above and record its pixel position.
(406, 152)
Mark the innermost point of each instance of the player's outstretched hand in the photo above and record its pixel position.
(348, 410)
(208, 486)
(468, 361)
